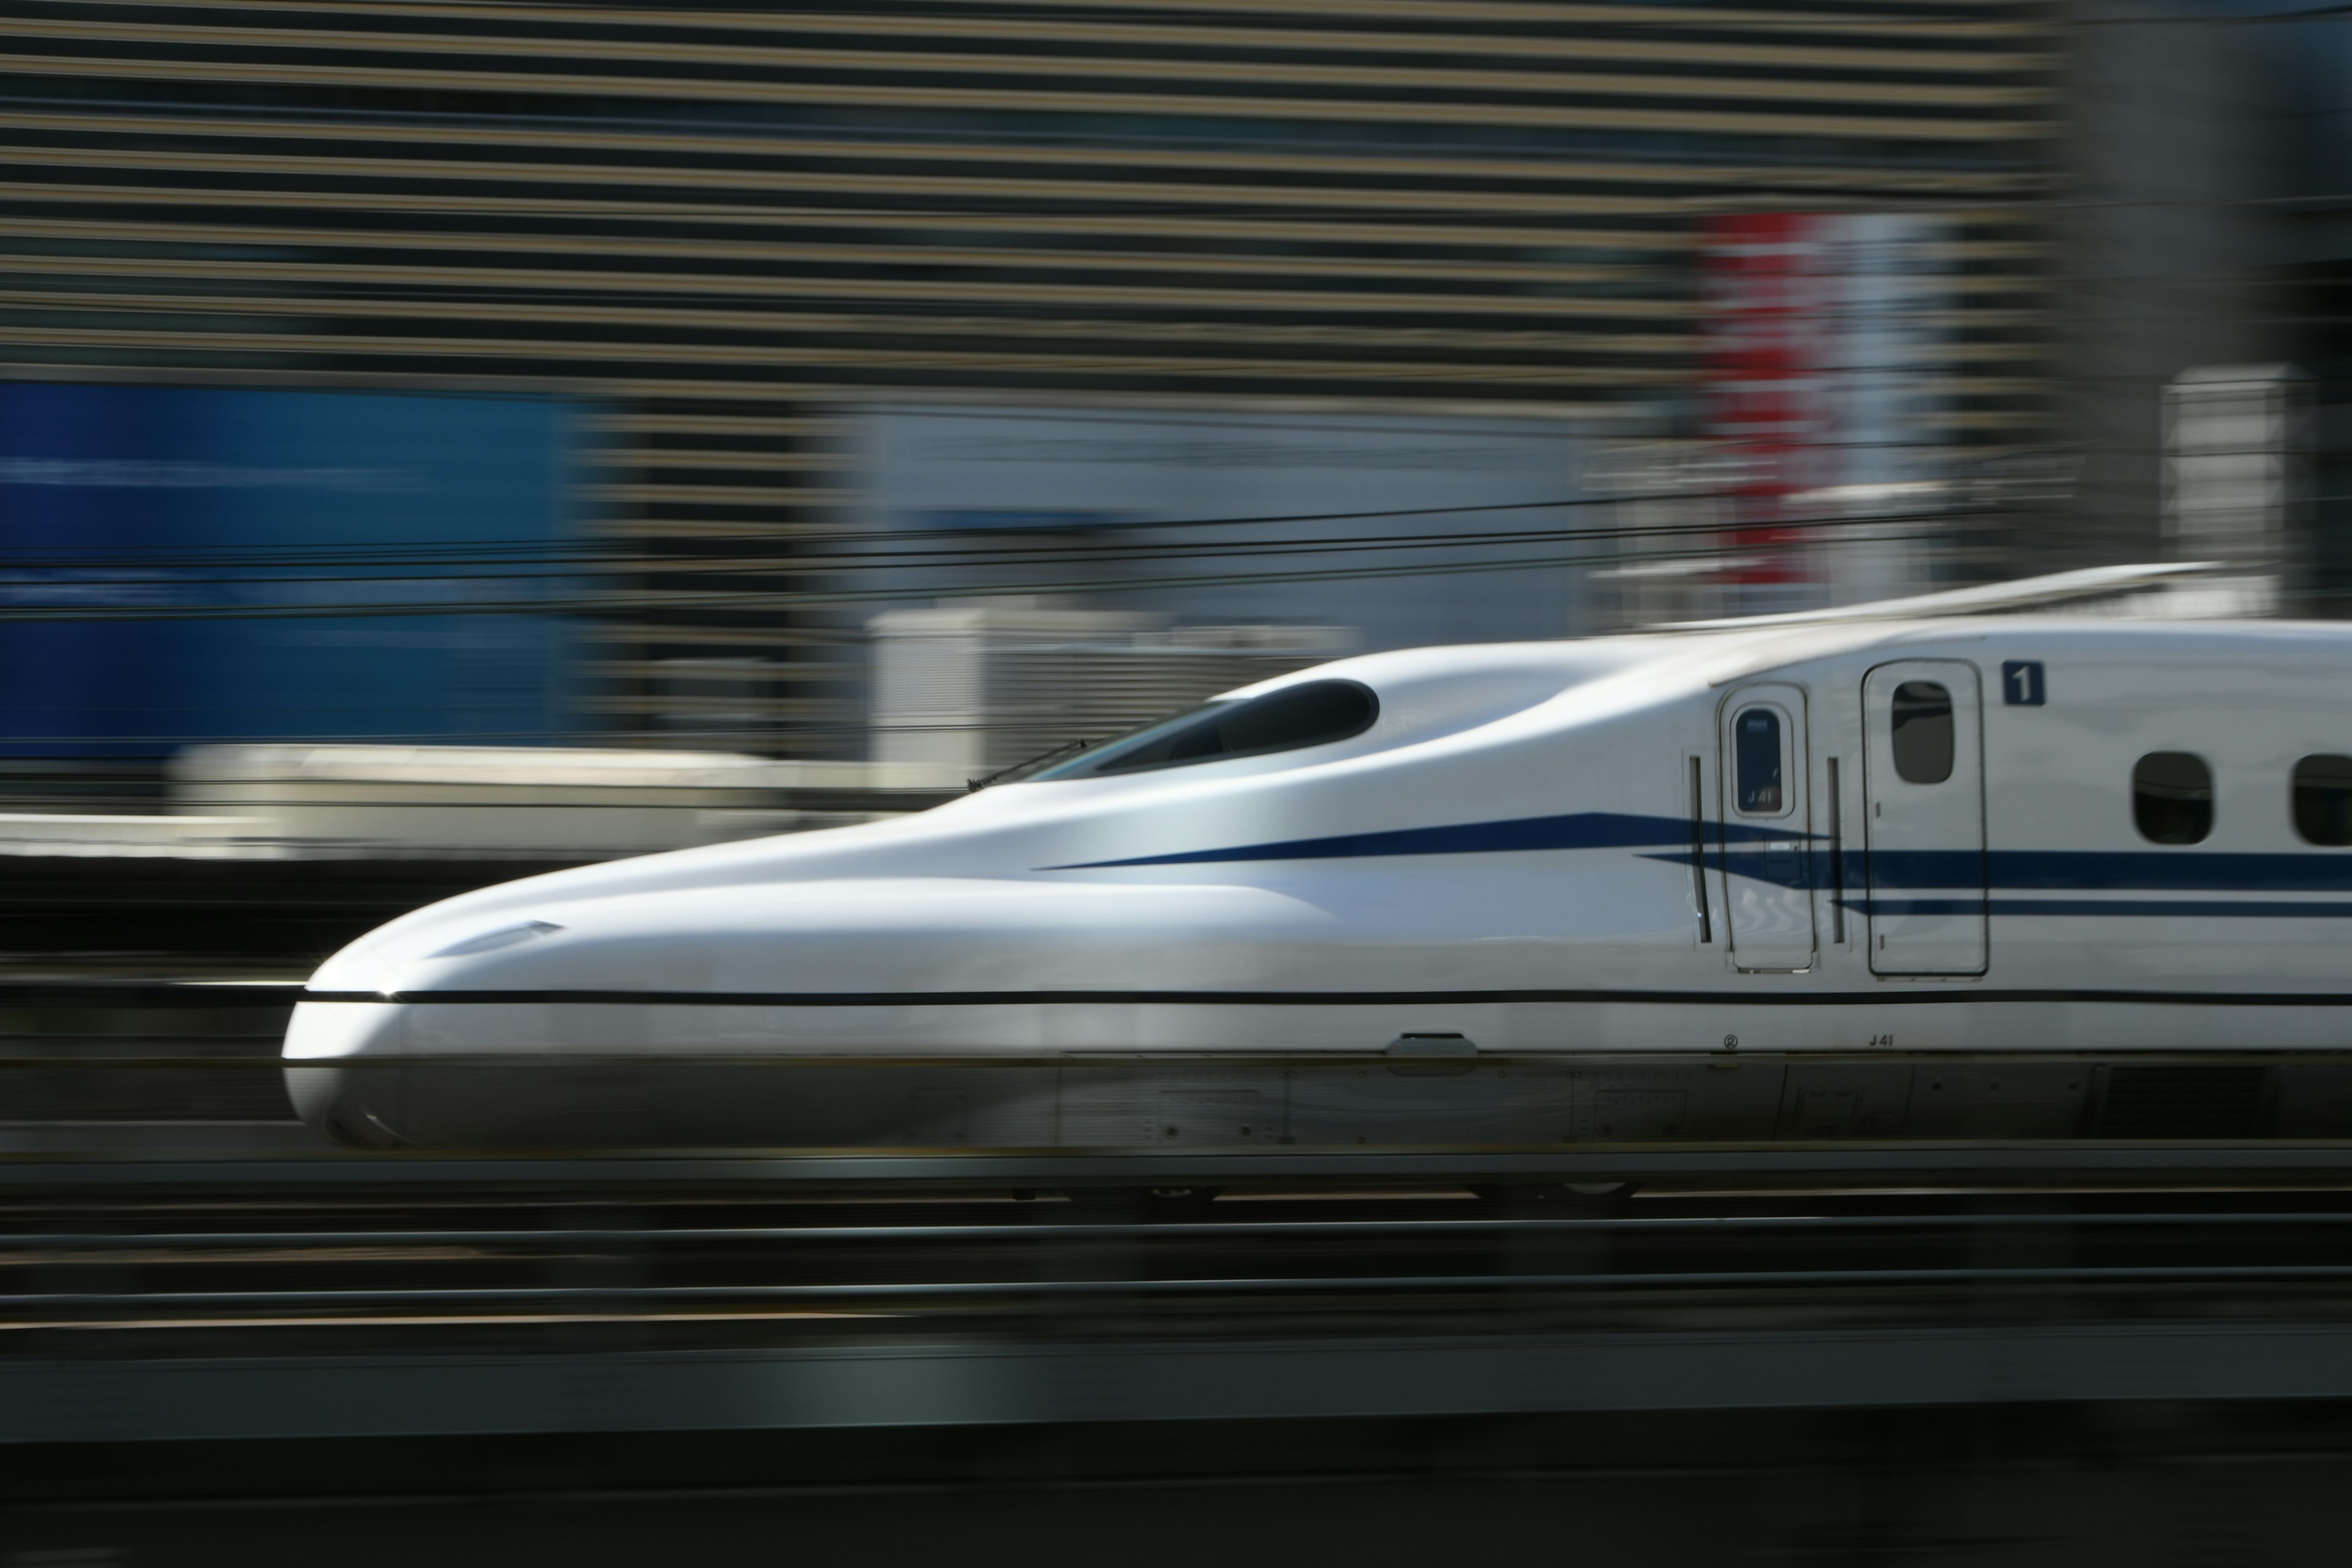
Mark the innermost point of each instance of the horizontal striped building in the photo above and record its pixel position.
(726, 224)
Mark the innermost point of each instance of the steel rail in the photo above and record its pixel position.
(1235, 1229)
(916, 1293)
(1968, 1166)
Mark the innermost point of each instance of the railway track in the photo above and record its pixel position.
(429, 1297)
(705, 1263)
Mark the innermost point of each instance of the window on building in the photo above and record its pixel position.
(2172, 797)
(2322, 799)
(1922, 733)
(1755, 763)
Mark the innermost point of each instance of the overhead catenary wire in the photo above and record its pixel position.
(620, 600)
(902, 550)
(898, 546)
(886, 558)
(437, 550)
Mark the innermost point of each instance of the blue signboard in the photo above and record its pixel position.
(182, 565)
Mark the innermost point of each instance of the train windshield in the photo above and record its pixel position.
(1313, 714)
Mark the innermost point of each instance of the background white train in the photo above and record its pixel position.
(1950, 878)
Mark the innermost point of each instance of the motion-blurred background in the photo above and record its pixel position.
(503, 433)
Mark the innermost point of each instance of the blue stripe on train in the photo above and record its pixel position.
(1581, 830)
(1667, 838)
(2258, 909)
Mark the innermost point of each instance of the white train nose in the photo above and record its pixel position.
(341, 1070)
(439, 1030)
(354, 1046)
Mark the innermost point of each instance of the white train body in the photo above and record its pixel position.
(1609, 864)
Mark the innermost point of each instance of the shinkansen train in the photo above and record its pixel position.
(1950, 878)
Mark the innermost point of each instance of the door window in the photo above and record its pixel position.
(1921, 731)
(1755, 763)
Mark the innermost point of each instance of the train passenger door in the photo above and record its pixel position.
(1923, 827)
(1767, 888)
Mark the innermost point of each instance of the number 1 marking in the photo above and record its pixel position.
(2021, 683)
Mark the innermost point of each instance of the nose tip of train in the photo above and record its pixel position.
(371, 1053)
(371, 1056)
(337, 1055)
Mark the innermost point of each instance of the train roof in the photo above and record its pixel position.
(1714, 654)
(1771, 646)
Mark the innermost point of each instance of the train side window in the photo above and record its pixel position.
(1755, 763)
(1922, 733)
(2323, 800)
(2172, 797)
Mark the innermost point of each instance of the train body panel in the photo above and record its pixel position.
(2087, 839)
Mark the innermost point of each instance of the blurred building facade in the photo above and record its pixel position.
(2205, 228)
(730, 231)
(2307, 121)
